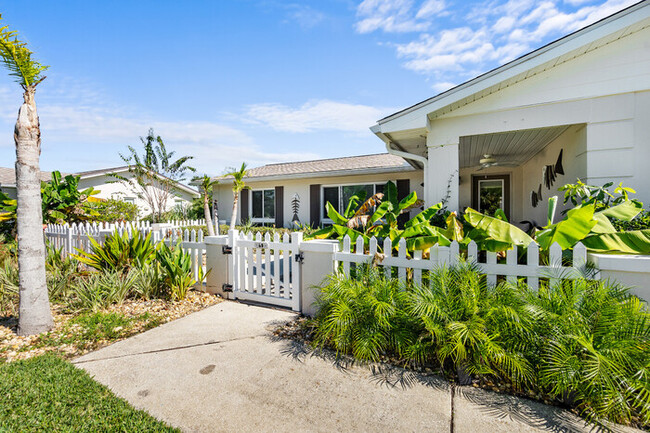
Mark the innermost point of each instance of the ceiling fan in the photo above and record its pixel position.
(489, 160)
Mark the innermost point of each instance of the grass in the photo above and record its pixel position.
(49, 394)
(90, 330)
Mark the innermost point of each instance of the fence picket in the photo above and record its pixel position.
(511, 264)
(532, 261)
(388, 252)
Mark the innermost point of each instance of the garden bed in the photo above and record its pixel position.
(75, 334)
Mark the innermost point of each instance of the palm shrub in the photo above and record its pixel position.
(120, 252)
(471, 327)
(365, 316)
(593, 350)
(8, 287)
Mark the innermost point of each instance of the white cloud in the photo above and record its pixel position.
(321, 115)
(397, 16)
(443, 86)
(306, 17)
(492, 33)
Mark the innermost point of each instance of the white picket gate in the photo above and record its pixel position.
(266, 269)
(532, 270)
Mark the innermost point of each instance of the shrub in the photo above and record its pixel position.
(101, 289)
(581, 343)
(115, 210)
(119, 252)
(8, 287)
(176, 269)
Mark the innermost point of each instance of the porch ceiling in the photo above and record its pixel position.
(513, 147)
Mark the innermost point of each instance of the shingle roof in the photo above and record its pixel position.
(8, 176)
(376, 162)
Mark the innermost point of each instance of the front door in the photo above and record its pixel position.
(491, 192)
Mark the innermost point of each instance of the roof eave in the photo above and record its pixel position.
(378, 170)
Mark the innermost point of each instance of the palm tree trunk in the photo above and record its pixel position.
(206, 214)
(235, 203)
(34, 309)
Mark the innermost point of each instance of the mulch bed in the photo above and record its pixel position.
(140, 314)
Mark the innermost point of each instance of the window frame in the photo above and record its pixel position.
(323, 215)
(262, 220)
(504, 178)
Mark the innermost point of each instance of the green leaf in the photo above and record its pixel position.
(425, 215)
(550, 213)
(391, 194)
(603, 225)
(407, 201)
(334, 215)
(625, 211)
(495, 229)
(425, 242)
(632, 242)
(578, 223)
(382, 209)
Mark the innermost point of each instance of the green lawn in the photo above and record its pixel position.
(49, 394)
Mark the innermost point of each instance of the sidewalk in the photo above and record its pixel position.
(221, 370)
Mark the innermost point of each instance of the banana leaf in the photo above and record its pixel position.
(425, 215)
(550, 212)
(496, 230)
(336, 217)
(407, 202)
(632, 242)
(603, 224)
(625, 211)
(382, 209)
(426, 242)
(574, 228)
(454, 229)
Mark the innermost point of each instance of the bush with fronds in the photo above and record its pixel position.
(582, 343)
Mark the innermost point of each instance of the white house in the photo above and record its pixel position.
(275, 188)
(109, 187)
(578, 107)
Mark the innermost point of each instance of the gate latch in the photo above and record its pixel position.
(226, 249)
(226, 287)
(300, 258)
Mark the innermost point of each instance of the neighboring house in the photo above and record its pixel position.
(274, 187)
(109, 187)
(499, 136)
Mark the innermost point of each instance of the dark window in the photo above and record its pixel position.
(263, 205)
(330, 194)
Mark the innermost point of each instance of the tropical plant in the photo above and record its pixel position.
(119, 252)
(101, 289)
(34, 305)
(176, 268)
(580, 193)
(112, 210)
(238, 185)
(154, 175)
(9, 287)
(206, 184)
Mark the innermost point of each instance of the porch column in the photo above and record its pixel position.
(442, 175)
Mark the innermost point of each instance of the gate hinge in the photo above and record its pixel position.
(226, 250)
(300, 258)
(226, 287)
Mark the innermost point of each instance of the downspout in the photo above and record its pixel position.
(414, 157)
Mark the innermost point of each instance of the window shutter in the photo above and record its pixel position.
(279, 206)
(314, 205)
(403, 190)
(243, 206)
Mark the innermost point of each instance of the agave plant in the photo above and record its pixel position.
(119, 252)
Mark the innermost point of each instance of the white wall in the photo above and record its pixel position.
(607, 90)
(301, 186)
(109, 188)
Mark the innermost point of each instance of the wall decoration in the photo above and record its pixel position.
(295, 207)
(549, 175)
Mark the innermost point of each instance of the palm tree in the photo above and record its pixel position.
(237, 186)
(34, 309)
(205, 185)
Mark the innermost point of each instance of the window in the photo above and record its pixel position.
(129, 199)
(263, 206)
(339, 196)
(490, 193)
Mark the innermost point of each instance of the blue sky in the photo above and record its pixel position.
(259, 81)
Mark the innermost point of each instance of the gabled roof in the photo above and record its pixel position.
(8, 177)
(350, 165)
(615, 26)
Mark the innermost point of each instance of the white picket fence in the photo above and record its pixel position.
(266, 269)
(71, 238)
(532, 270)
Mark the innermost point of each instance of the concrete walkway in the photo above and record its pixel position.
(221, 370)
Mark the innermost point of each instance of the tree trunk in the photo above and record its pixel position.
(206, 214)
(34, 310)
(233, 218)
